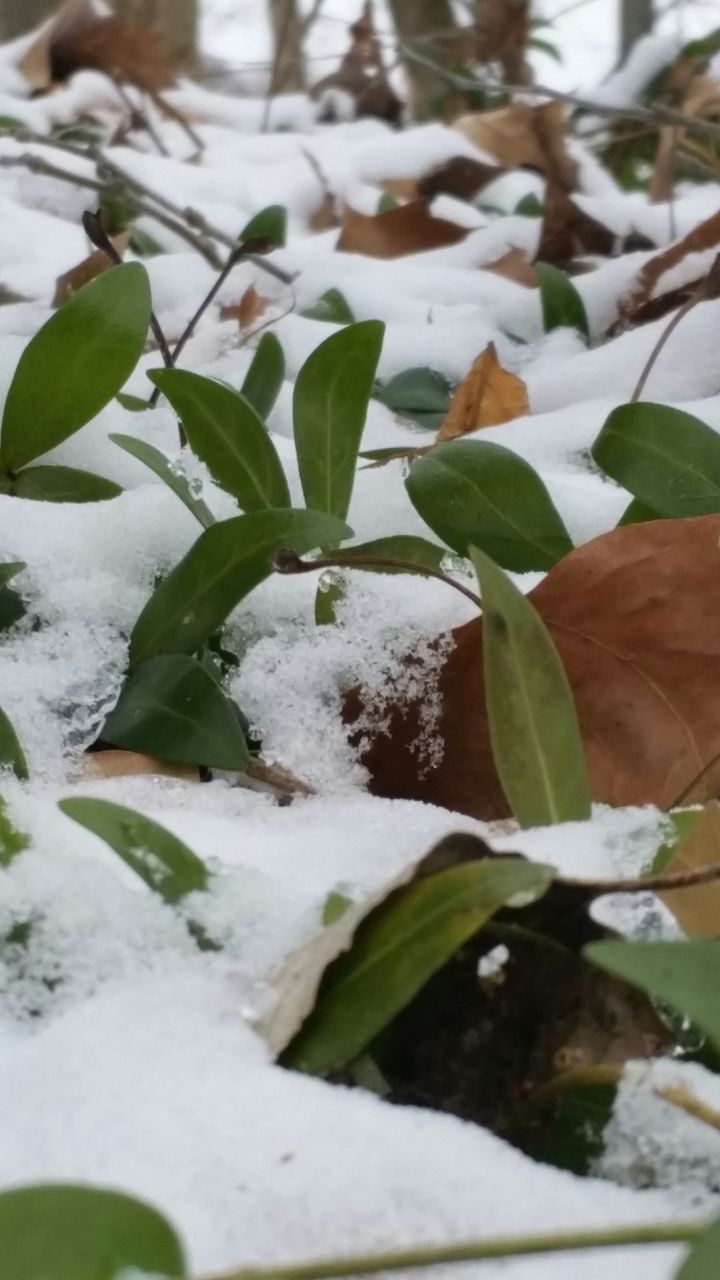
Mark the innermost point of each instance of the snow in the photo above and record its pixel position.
(130, 1056)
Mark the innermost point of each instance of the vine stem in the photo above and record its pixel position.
(475, 1251)
(288, 562)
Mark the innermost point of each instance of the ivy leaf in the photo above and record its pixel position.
(166, 865)
(226, 433)
(76, 363)
(173, 708)
(330, 403)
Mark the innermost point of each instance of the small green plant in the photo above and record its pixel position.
(562, 306)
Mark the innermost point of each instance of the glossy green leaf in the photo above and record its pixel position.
(534, 733)
(173, 708)
(335, 906)
(418, 551)
(420, 394)
(166, 865)
(667, 459)
(397, 949)
(76, 363)
(9, 570)
(329, 410)
(220, 569)
(684, 975)
(702, 1261)
(637, 513)
(133, 404)
(169, 473)
(11, 753)
(472, 492)
(225, 432)
(12, 840)
(63, 484)
(67, 1232)
(530, 206)
(12, 605)
(331, 307)
(562, 306)
(270, 222)
(265, 376)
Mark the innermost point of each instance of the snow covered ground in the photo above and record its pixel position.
(127, 1057)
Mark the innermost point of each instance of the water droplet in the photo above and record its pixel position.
(195, 487)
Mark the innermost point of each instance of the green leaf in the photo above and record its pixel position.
(420, 394)
(702, 1261)
(162, 467)
(63, 484)
(472, 492)
(397, 949)
(76, 363)
(681, 822)
(335, 906)
(332, 306)
(9, 570)
(684, 975)
(220, 569)
(667, 459)
(133, 404)
(12, 840)
(398, 547)
(265, 376)
(637, 513)
(68, 1232)
(171, 707)
(530, 207)
(227, 435)
(534, 733)
(12, 605)
(329, 410)
(166, 865)
(562, 305)
(386, 203)
(270, 222)
(11, 753)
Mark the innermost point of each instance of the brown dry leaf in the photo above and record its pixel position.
(89, 269)
(410, 228)
(325, 216)
(662, 182)
(115, 763)
(460, 176)
(705, 236)
(697, 910)
(251, 306)
(487, 396)
(635, 615)
(515, 265)
(362, 75)
(78, 38)
(520, 135)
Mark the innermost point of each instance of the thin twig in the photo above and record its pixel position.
(139, 118)
(476, 1251)
(278, 61)
(708, 288)
(288, 562)
(650, 884)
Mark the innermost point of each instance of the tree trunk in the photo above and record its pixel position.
(415, 20)
(176, 22)
(636, 19)
(288, 70)
(17, 17)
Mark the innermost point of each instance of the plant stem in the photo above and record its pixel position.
(708, 288)
(475, 1251)
(285, 561)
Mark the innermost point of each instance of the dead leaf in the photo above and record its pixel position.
(461, 177)
(522, 135)
(77, 38)
(635, 615)
(114, 763)
(697, 910)
(699, 240)
(500, 34)
(251, 306)
(410, 228)
(515, 265)
(89, 269)
(487, 396)
(362, 75)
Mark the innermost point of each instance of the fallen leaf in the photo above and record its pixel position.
(77, 39)
(251, 306)
(699, 240)
(126, 764)
(635, 615)
(487, 396)
(411, 228)
(697, 910)
(461, 177)
(89, 269)
(515, 265)
(522, 135)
